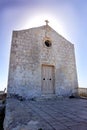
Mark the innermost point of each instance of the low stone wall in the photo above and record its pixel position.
(3, 96)
(82, 92)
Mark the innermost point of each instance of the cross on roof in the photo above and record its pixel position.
(46, 22)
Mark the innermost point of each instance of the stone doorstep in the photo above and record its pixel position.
(82, 97)
(48, 97)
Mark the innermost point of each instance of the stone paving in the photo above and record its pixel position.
(62, 114)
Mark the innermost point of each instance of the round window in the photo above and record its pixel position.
(48, 43)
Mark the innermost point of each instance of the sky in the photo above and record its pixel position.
(67, 17)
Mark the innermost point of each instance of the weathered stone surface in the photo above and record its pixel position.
(19, 116)
(29, 53)
(63, 114)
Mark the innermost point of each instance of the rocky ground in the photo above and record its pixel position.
(62, 114)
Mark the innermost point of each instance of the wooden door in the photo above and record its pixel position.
(47, 79)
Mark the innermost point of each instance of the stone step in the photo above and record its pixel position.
(48, 97)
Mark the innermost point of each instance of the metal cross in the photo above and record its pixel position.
(46, 22)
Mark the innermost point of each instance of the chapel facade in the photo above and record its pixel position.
(42, 63)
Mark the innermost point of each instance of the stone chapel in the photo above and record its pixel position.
(42, 64)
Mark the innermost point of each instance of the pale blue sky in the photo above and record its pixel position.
(67, 17)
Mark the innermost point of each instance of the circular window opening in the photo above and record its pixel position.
(48, 43)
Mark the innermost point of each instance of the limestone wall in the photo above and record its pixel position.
(82, 92)
(29, 53)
